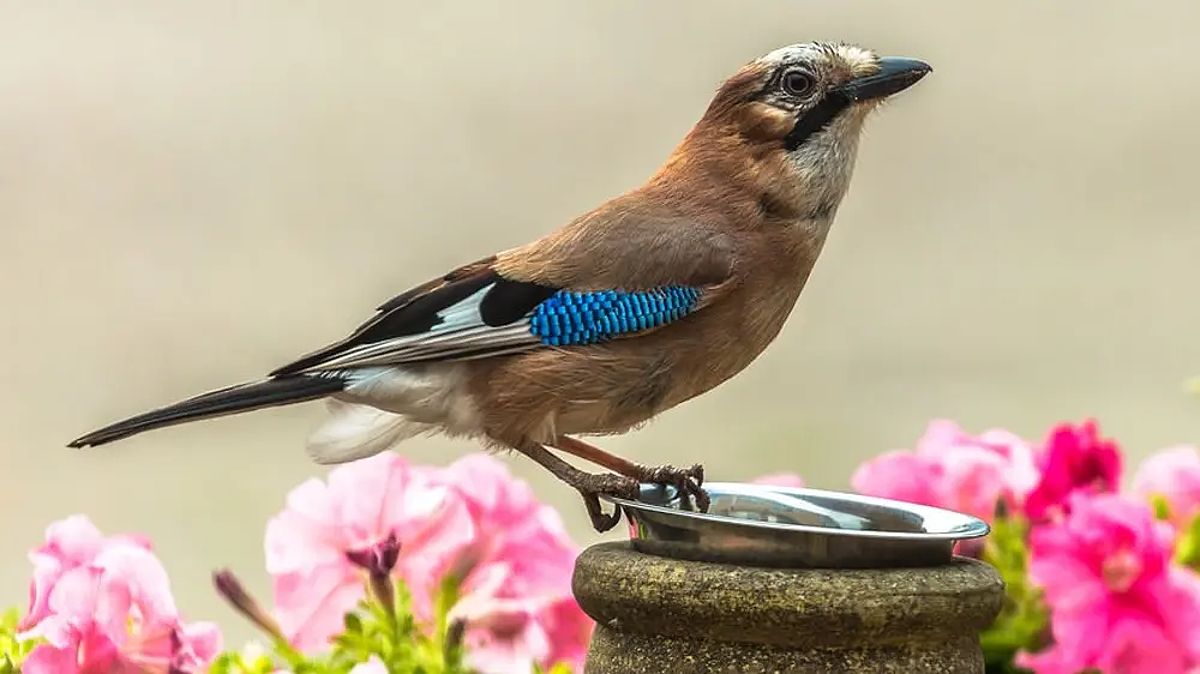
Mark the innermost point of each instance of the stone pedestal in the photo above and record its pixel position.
(667, 616)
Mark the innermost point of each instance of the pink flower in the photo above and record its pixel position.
(516, 588)
(520, 533)
(780, 480)
(570, 631)
(1116, 602)
(1075, 459)
(503, 634)
(70, 543)
(518, 610)
(952, 469)
(105, 605)
(365, 505)
(473, 521)
(1172, 474)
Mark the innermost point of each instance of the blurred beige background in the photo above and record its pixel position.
(193, 193)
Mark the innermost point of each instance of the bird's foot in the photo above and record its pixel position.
(688, 482)
(591, 486)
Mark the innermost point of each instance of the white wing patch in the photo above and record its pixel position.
(460, 335)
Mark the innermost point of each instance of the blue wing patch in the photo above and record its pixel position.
(572, 318)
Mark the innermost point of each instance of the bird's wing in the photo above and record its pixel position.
(495, 306)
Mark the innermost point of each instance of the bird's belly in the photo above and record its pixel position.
(610, 388)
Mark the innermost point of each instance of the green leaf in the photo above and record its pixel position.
(1162, 507)
(445, 600)
(242, 663)
(1187, 550)
(13, 650)
(370, 630)
(223, 664)
(1023, 620)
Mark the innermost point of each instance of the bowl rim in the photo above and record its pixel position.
(972, 527)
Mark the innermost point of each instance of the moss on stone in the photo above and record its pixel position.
(664, 615)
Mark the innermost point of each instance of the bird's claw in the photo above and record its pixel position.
(688, 482)
(611, 485)
(601, 521)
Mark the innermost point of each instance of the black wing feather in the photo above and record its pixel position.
(509, 301)
(229, 400)
(459, 274)
(416, 311)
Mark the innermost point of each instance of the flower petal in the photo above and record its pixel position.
(306, 534)
(199, 643)
(139, 574)
(1173, 474)
(898, 475)
(311, 606)
(48, 659)
(47, 569)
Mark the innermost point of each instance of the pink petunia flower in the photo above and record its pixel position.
(952, 469)
(509, 631)
(105, 605)
(1075, 459)
(1172, 474)
(508, 553)
(312, 546)
(503, 634)
(1116, 602)
(70, 543)
(525, 536)
(515, 576)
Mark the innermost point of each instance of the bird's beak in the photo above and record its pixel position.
(895, 75)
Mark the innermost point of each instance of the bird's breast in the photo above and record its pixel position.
(613, 386)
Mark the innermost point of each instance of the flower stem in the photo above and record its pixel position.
(232, 590)
(381, 587)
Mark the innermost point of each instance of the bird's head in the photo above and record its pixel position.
(788, 123)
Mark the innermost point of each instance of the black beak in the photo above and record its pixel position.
(895, 75)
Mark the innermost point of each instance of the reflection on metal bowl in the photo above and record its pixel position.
(763, 525)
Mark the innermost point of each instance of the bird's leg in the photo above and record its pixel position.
(688, 481)
(589, 485)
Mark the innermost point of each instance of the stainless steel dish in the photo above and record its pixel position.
(763, 525)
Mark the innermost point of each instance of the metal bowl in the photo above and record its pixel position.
(763, 525)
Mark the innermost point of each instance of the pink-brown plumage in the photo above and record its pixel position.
(737, 215)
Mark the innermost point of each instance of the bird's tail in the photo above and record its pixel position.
(232, 400)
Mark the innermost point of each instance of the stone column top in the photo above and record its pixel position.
(634, 592)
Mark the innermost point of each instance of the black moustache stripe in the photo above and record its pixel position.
(816, 119)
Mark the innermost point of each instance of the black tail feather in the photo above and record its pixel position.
(241, 398)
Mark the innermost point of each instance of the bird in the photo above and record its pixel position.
(656, 296)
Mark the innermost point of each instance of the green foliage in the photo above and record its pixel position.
(12, 649)
(392, 636)
(241, 663)
(1023, 619)
(1162, 507)
(1187, 551)
(1187, 548)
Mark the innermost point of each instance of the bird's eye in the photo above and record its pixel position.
(796, 82)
